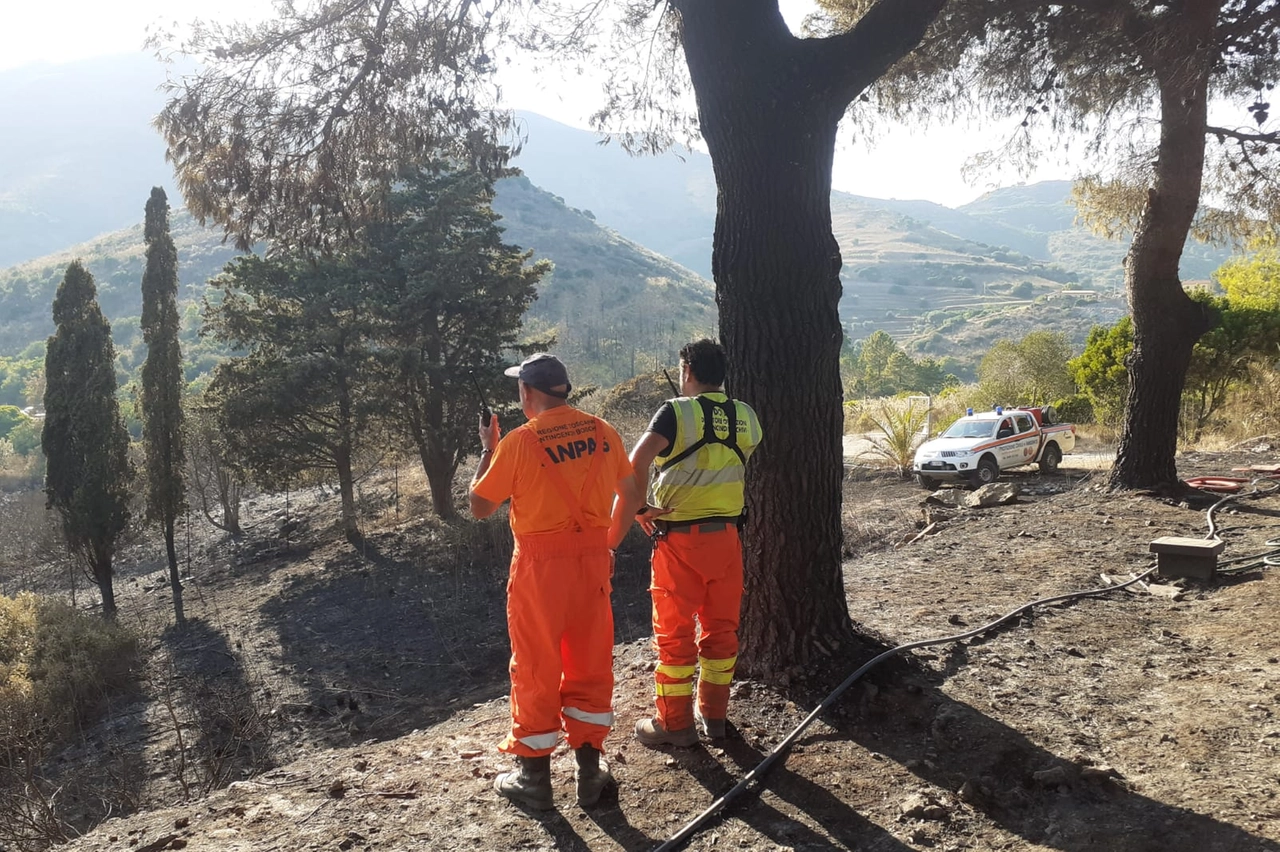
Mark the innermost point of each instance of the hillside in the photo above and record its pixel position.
(615, 306)
(78, 154)
(347, 697)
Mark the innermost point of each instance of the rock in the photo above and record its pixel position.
(1054, 776)
(1099, 773)
(971, 792)
(994, 494)
(923, 806)
(950, 497)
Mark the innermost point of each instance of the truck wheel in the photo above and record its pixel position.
(985, 473)
(926, 482)
(1050, 459)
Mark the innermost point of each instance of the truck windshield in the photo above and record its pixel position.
(971, 429)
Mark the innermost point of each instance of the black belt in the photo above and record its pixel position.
(702, 525)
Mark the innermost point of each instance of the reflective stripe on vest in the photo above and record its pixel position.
(709, 482)
(538, 742)
(605, 719)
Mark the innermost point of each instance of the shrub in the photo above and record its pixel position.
(902, 430)
(65, 662)
(1074, 409)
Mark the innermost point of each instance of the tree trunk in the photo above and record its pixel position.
(1166, 323)
(776, 266)
(343, 452)
(174, 582)
(440, 472)
(102, 575)
(347, 488)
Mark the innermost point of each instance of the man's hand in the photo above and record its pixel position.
(491, 434)
(648, 514)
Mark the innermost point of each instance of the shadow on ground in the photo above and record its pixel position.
(1026, 790)
(390, 636)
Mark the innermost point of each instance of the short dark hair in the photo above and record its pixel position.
(707, 360)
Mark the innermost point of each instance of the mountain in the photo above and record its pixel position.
(613, 306)
(665, 202)
(78, 154)
(83, 156)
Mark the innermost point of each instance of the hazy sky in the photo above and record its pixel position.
(904, 163)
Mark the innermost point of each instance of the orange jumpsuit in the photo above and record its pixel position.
(560, 471)
(696, 572)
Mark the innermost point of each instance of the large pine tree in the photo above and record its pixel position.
(162, 384)
(84, 437)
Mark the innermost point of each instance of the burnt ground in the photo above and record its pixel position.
(370, 684)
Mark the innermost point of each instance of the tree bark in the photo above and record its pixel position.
(102, 575)
(440, 475)
(1166, 322)
(776, 265)
(347, 488)
(344, 450)
(174, 582)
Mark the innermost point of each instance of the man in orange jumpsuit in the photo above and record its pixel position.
(561, 471)
(700, 442)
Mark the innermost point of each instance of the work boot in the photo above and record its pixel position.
(712, 729)
(529, 784)
(651, 733)
(593, 776)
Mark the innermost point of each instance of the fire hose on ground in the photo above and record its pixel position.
(1270, 557)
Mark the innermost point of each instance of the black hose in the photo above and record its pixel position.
(778, 751)
(1271, 557)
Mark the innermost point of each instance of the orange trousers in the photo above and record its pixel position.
(695, 574)
(561, 627)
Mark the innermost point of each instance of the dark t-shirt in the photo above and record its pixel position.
(664, 424)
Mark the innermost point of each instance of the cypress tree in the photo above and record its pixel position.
(162, 384)
(84, 437)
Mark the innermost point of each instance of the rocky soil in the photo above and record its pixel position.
(1144, 720)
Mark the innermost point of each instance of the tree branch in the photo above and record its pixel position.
(891, 29)
(1272, 138)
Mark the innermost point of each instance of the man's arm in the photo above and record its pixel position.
(629, 498)
(489, 437)
(642, 456)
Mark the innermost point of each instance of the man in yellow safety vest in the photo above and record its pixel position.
(700, 442)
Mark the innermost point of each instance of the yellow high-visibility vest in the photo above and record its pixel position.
(706, 482)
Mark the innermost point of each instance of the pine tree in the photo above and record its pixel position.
(84, 437)
(449, 300)
(162, 384)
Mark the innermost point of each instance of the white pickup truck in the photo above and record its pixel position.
(978, 446)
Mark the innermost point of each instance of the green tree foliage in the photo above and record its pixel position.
(15, 375)
(1100, 370)
(1254, 281)
(877, 366)
(25, 437)
(1220, 362)
(448, 300)
(1137, 77)
(10, 418)
(84, 439)
(161, 387)
(301, 397)
(1031, 371)
(212, 472)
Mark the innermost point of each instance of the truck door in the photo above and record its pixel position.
(1023, 451)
